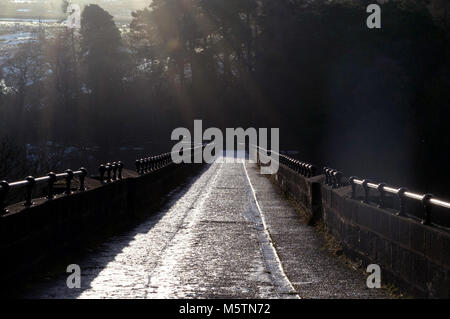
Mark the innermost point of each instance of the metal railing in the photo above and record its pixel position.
(402, 193)
(110, 172)
(302, 168)
(154, 163)
(29, 184)
(333, 178)
(336, 179)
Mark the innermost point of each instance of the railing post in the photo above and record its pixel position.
(29, 191)
(82, 179)
(426, 204)
(366, 191)
(120, 165)
(51, 182)
(108, 172)
(102, 170)
(328, 180)
(380, 189)
(330, 177)
(4, 188)
(296, 166)
(142, 164)
(401, 195)
(68, 181)
(114, 171)
(337, 179)
(333, 179)
(138, 166)
(353, 185)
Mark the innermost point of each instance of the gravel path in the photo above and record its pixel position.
(215, 239)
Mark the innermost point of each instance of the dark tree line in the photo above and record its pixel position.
(371, 102)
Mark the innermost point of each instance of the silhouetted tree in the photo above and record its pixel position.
(103, 57)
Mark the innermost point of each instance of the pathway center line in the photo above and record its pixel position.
(270, 254)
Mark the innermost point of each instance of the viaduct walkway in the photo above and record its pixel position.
(227, 233)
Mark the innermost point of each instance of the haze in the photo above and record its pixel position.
(120, 9)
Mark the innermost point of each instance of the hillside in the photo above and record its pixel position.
(52, 9)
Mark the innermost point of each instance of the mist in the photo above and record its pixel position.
(119, 9)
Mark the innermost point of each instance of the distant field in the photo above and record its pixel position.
(20, 19)
(30, 9)
(16, 31)
(52, 9)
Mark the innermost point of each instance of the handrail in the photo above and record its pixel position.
(305, 169)
(154, 163)
(108, 173)
(335, 179)
(30, 182)
(113, 172)
(427, 200)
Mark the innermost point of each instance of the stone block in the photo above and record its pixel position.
(417, 235)
(420, 270)
(432, 245)
(404, 232)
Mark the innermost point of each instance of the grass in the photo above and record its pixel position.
(334, 246)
